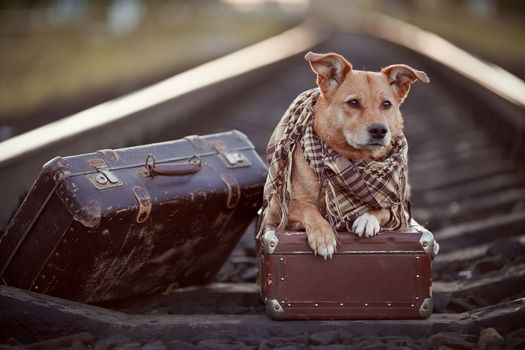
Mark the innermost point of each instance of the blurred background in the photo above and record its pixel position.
(61, 56)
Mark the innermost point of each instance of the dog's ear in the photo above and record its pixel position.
(331, 70)
(400, 76)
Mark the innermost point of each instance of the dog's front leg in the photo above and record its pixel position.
(321, 238)
(369, 224)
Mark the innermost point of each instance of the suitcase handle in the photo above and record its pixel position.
(176, 169)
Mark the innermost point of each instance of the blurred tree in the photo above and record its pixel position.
(23, 4)
(513, 7)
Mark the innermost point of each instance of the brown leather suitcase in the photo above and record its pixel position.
(121, 223)
(387, 276)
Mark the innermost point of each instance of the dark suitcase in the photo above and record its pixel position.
(383, 277)
(120, 223)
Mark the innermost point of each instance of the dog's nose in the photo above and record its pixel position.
(377, 130)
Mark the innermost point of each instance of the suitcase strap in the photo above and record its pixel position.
(234, 190)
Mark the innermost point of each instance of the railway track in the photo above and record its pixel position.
(468, 188)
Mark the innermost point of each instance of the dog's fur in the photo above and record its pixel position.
(350, 110)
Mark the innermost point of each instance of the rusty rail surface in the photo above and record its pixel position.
(465, 158)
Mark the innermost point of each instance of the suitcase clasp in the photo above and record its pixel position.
(104, 178)
(234, 159)
(231, 159)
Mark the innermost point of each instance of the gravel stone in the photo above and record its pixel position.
(489, 264)
(454, 340)
(181, 345)
(230, 335)
(324, 338)
(373, 347)
(289, 347)
(345, 337)
(444, 347)
(158, 345)
(490, 339)
(331, 347)
(369, 343)
(264, 344)
(249, 340)
(111, 342)
(222, 344)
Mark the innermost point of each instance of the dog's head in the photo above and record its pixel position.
(360, 109)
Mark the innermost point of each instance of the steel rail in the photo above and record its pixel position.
(261, 54)
(488, 75)
(125, 120)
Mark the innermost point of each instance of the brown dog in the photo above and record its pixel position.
(357, 114)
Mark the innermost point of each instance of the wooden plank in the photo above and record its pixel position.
(490, 288)
(25, 313)
(481, 231)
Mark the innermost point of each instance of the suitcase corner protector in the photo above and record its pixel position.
(425, 310)
(274, 310)
(428, 243)
(269, 241)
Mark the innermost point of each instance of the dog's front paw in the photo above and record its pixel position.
(366, 225)
(322, 241)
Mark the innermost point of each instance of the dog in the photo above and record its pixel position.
(357, 114)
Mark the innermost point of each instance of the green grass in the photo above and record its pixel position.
(498, 37)
(41, 63)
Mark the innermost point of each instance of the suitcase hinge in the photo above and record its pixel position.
(104, 178)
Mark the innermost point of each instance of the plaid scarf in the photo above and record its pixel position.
(349, 188)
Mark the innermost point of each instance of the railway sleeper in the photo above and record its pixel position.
(54, 318)
(444, 150)
(474, 208)
(449, 146)
(459, 159)
(418, 128)
(459, 175)
(488, 289)
(497, 271)
(467, 262)
(484, 185)
(469, 234)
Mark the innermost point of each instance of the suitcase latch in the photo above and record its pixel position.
(104, 178)
(234, 159)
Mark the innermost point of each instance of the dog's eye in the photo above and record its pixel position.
(387, 104)
(353, 103)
